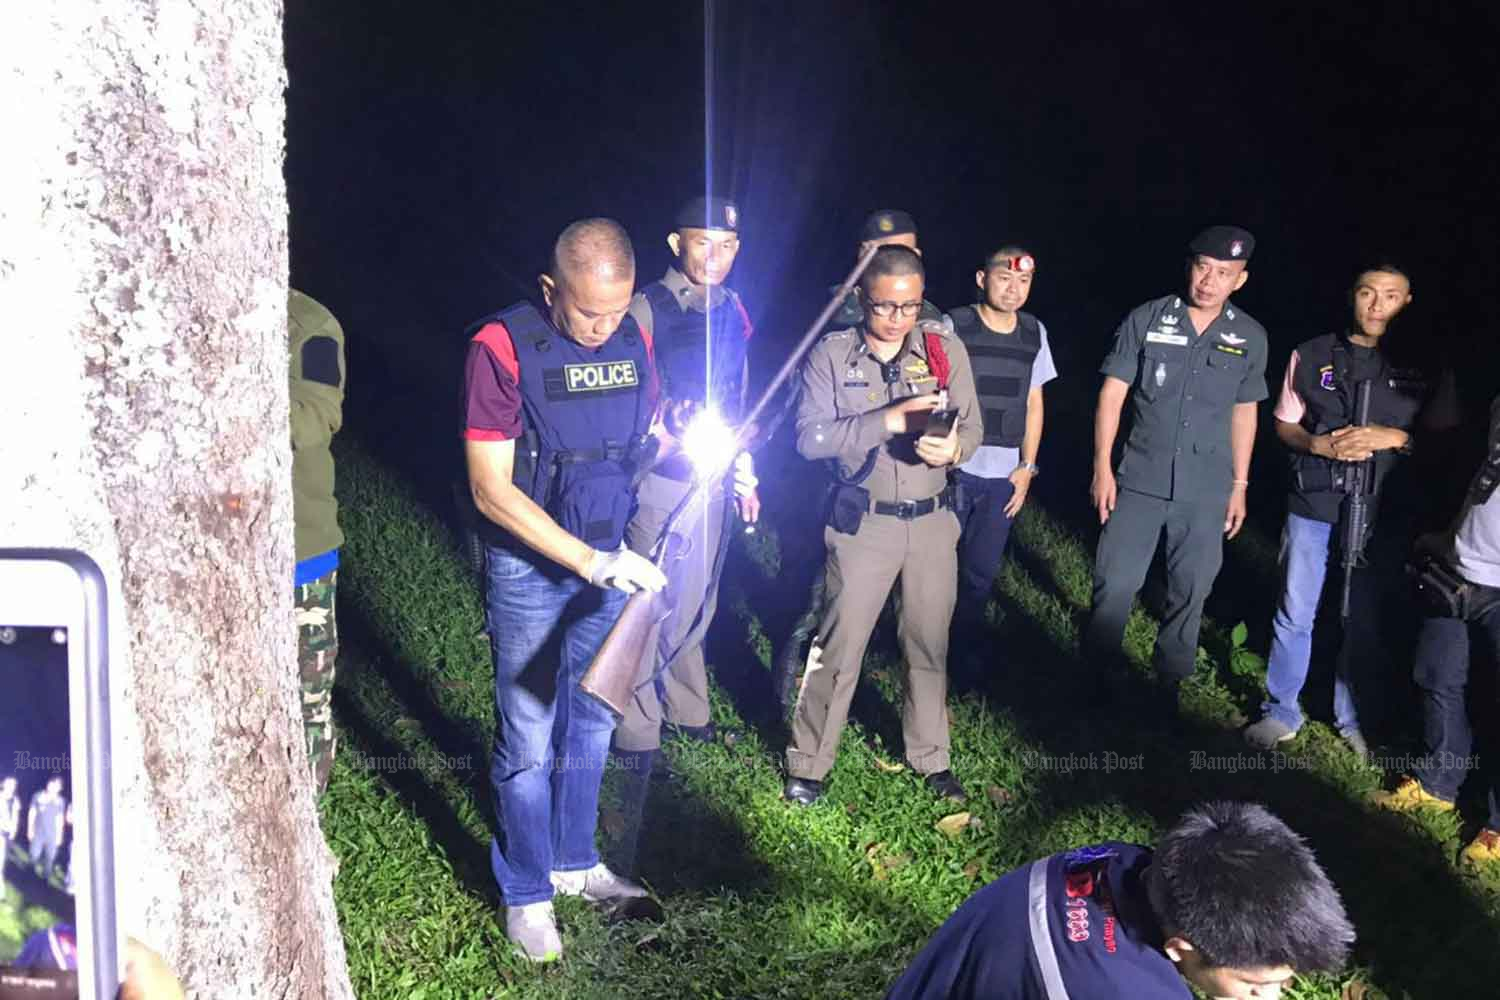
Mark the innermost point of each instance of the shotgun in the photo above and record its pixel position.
(616, 670)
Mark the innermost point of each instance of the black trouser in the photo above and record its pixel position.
(986, 529)
(1195, 551)
(1445, 649)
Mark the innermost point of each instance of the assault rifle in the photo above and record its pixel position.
(1354, 517)
(613, 676)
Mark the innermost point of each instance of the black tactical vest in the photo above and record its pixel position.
(1002, 372)
(1328, 370)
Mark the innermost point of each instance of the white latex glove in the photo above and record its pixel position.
(625, 571)
(744, 475)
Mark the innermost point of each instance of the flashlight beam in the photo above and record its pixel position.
(611, 678)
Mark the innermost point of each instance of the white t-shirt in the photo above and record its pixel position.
(1476, 545)
(991, 461)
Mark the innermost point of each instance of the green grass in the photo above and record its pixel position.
(765, 900)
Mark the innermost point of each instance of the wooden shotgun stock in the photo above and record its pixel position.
(617, 668)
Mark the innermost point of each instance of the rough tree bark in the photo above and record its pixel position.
(143, 402)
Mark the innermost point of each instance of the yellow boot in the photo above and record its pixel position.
(1410, 796)
(1484, 849)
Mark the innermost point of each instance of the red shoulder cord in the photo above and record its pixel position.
(937, 358)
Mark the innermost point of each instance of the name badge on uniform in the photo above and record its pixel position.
(1164, 337)
(855, 379)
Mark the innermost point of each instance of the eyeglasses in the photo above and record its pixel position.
(885, 310)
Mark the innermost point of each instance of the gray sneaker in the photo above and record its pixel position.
(1268, 732)
(533, 930)
(1356, 742)
(596, 885)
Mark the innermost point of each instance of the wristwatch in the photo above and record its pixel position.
(1030, 467)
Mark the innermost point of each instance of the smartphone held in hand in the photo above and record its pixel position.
(57, 913)
(940, 423)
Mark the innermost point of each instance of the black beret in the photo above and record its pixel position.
(887, 222)
(709, 213)
(1223, 243)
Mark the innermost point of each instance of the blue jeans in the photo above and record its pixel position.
(1304, 568)
(981, 546)
(551, 739)
(1445, 649)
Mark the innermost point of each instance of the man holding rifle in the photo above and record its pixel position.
(557, 409)
(1338, 465)
(873, 403)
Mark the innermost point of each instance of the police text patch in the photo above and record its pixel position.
(601, 375)
(1161, 337)
(594, 377)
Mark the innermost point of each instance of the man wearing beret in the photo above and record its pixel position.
(885, 227)
(1193, 366)
(700, 331)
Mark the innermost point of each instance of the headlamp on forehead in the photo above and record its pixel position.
(1025, 263)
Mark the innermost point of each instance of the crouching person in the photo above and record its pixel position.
(1231, 903)
(557, 404)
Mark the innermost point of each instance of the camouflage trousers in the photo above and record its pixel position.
(317, 652)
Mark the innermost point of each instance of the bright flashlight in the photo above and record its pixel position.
(708, 443)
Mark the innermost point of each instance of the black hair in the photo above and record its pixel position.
(893, 260)
(1382, 266)
(1238, 883)
(589, 244)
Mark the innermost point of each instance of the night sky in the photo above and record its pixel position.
(435, 151)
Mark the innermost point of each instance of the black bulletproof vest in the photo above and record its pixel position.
(1328, 370)
(700, 358)
(1002, 372)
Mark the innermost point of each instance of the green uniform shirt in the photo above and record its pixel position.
(843, 390)
(317, 392)
(1184, 386)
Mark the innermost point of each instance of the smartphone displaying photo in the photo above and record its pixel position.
(57, 927)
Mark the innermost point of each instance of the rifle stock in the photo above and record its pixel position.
(613, 676)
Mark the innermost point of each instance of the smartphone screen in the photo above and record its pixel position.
(39, 849)
(940, 423)
(56, 938)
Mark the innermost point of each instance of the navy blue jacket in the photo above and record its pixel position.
(1092, 936)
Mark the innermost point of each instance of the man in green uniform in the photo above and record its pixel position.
(317, 395)
(1193, 366)
(869, 395)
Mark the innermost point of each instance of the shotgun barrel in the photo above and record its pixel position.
(621, 663)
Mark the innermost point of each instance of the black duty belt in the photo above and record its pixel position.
(908, 510)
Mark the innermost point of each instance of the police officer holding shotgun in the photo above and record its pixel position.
(558, 403)
(873, 405)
